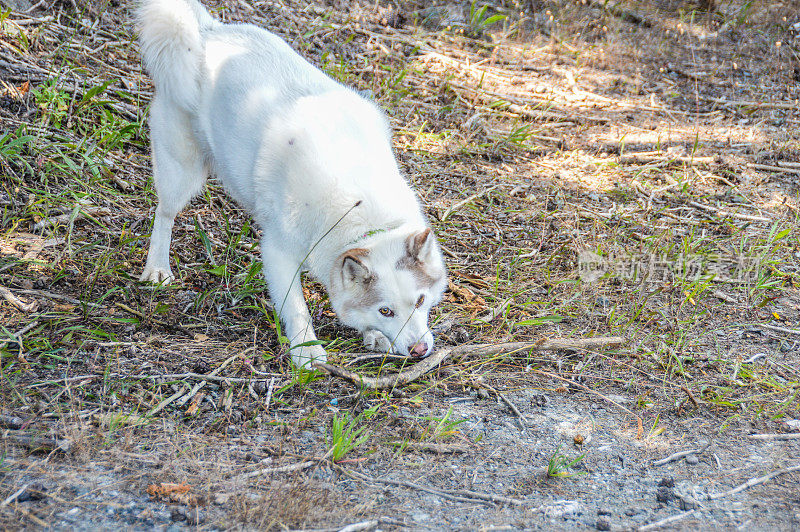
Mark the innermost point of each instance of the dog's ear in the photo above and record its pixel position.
(354, 267)
(419, 246)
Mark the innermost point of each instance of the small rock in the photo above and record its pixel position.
(664, 494)
(178, 514)
(460, 335)
(603, 301)
(692, 459)
(561, 508)
(539, 399)
(603, 524)
(688, 503)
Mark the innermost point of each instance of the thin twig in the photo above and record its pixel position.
(728, 214)
(13, 497)
(678, 456)
(753, 482)
(666, 521)
(281, 469)
(787, 436)
(460, 204)
(163, 404)
(458, 495)
(779, 329)
(197, 387)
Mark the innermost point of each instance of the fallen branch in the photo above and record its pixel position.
(753, 482)
(427, 364)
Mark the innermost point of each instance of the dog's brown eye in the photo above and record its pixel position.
(386, 311)
(420, 301)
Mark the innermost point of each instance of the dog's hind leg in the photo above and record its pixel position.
(179, 172)
(283, 278)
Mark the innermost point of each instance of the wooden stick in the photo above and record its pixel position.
(753, 482)
(460, 204)
(787, 436)
(644, 159)
(427, 364)
(727, 214)
(779, 329)
(458, 495)
(17, 302)
(770, 168)
(678, 456)
(666, 521)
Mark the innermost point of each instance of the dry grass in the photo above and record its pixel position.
(574, 128)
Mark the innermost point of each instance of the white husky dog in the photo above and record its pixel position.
(310, 159)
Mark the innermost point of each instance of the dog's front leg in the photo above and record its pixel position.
(157, 269)
(283, 279)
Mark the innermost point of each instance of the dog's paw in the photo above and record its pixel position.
(303, 357)
(377, 341)
(157, 275)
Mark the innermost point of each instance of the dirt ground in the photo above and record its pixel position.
(620, 175)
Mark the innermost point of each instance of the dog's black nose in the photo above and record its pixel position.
(418, 350)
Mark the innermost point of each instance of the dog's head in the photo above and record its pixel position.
(390, 285)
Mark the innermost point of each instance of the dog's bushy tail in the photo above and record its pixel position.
(170, 38)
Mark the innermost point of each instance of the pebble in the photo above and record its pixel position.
(603, 524)
(664, 494)
(692, 459)
(603, 301)
(178, 514)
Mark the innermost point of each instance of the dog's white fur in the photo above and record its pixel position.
(310, 159)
